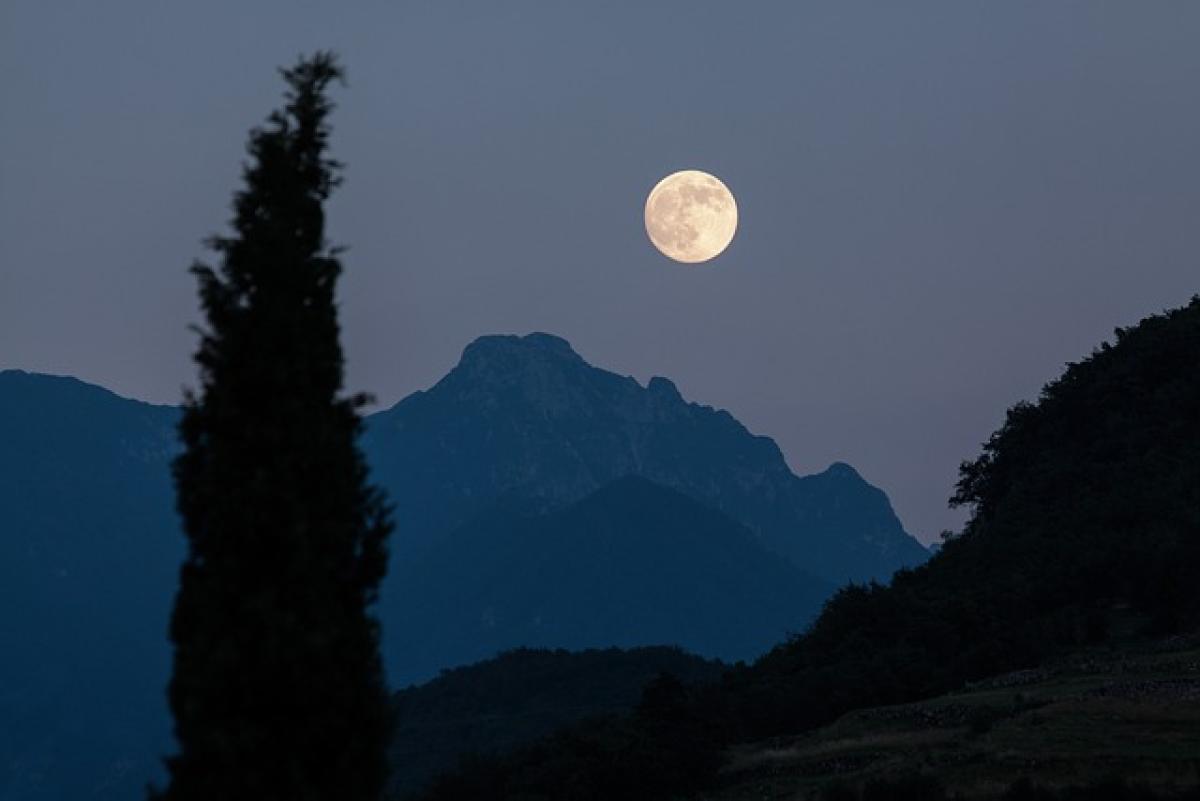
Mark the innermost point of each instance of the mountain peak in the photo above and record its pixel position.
(505, 347)
(842, 470)
(527, 417)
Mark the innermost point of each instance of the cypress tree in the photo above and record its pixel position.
(278, 689)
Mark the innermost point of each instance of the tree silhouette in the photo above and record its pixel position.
(278, 689)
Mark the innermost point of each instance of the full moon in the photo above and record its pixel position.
(691, 216)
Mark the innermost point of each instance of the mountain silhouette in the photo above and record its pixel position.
(522, 438)
(527, 417)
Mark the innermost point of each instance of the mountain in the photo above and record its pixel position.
(498, 705)
(89, 557)
(527, 417)
(511, 442)
(1084, 539)
(631, 564)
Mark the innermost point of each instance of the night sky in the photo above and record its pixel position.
(941, 203)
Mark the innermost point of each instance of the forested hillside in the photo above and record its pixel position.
(521, 695)
(1083, 502)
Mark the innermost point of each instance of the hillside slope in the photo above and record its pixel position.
(631, 564)
(1131, 712)
(1087, 499)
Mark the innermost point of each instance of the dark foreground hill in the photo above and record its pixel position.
(1085, 531)
(1085, 501)
(1130, 713)
(631, 564)
(495, 706)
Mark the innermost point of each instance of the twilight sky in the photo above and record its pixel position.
(941, 203)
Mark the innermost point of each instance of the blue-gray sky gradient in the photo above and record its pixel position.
(941, 203)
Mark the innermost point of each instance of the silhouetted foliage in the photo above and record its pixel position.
(663, 748)
(494, 707)
(277, 690)
(629, 758)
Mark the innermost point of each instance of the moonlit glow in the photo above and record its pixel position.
(691, 216)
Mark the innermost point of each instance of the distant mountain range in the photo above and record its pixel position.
(527, 417)
(523, 426)
(518, 524)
